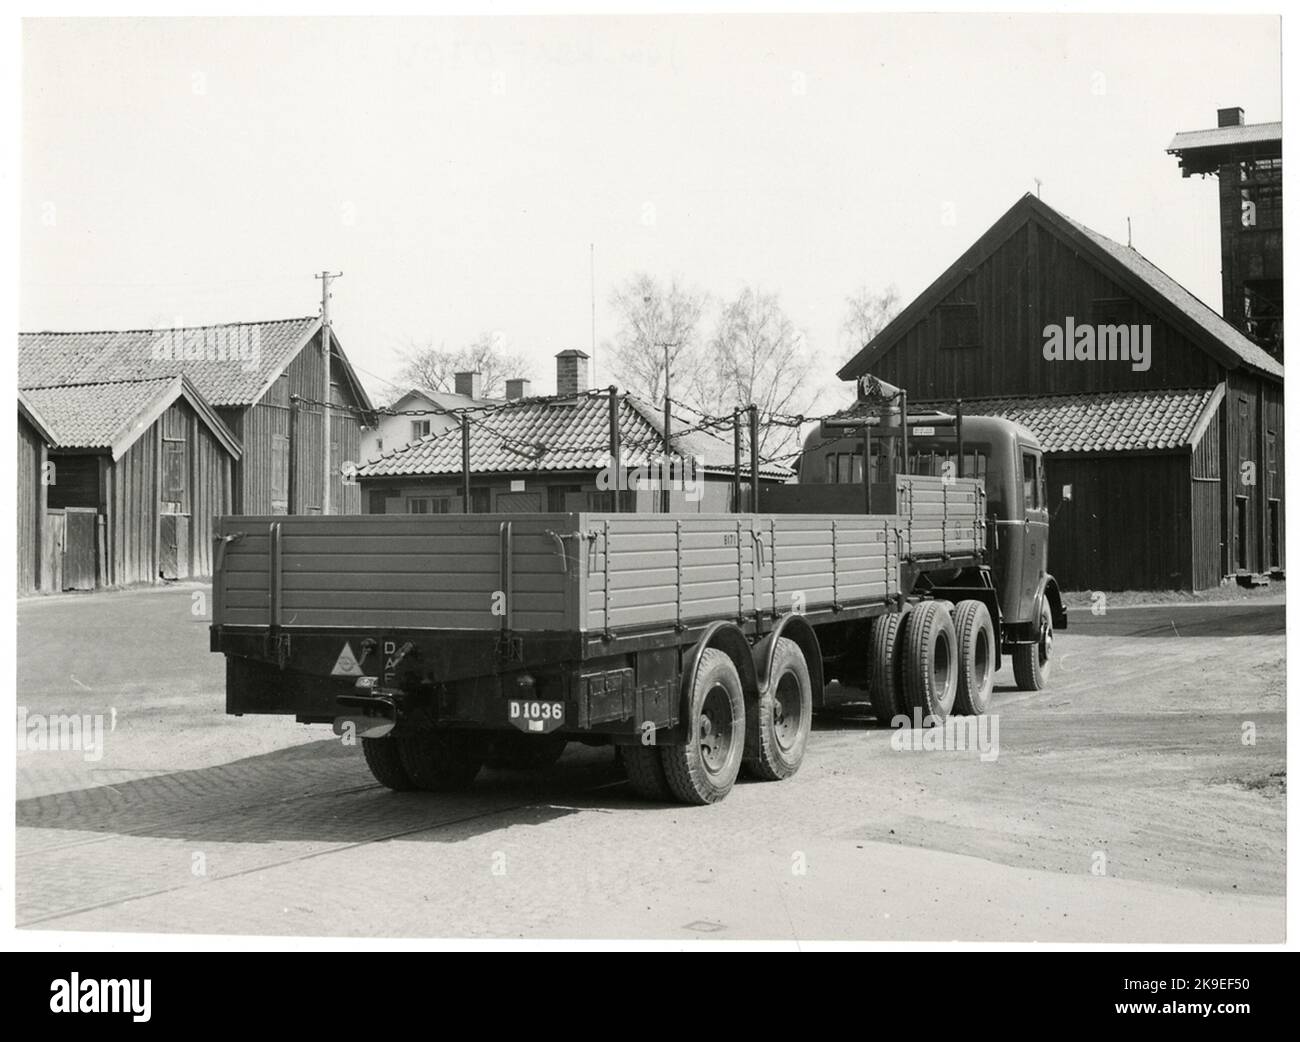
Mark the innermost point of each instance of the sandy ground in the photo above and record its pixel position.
(1123, 804)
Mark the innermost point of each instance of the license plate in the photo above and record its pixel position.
(536, 717)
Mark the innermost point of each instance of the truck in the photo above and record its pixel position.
(909, 559)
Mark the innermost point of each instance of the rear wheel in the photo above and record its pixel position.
(384, 759)
(704, 769)
(777, 735)
(437, 761)
(645, 772)
(885, 672)
(1033, 662)
(976, 658)
(930, 662)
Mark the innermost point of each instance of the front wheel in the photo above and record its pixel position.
(1033, 662)
(704, 768)
(777, 735)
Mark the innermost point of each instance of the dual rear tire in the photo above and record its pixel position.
(767, 735)
(932, 661)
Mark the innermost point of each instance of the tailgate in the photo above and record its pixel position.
(380, 571)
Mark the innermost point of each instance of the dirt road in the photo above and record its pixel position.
(1140, 798)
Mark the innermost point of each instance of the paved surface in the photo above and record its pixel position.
(1123, 805)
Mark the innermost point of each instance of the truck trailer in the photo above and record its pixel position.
(698, 644)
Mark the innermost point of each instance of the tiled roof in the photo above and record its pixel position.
(113, 415)
(554, 434)
(229, 365)
(1111, 421)
(92, 416)
(1215, 137)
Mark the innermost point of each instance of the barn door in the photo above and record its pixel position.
(174, 546)
(79, 548)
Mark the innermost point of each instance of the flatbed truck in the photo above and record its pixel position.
(698, 644)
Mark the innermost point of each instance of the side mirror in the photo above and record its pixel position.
(1067, 493)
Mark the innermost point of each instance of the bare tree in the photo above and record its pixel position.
(758, 355)
(434, 368)
(653, 319)
(868, 313)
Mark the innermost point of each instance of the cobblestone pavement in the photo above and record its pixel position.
(1132, 762)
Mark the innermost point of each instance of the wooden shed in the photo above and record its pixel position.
(264, 380)
(1175, 460)
(137, 471)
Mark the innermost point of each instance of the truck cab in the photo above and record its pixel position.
(1007, 457)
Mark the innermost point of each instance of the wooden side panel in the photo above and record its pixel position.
(132, 512)
(378, 571)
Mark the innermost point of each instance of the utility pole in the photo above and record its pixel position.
(327, 472)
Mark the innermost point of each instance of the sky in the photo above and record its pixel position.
(458, 171)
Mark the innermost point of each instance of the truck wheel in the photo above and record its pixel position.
(976, 657)
(515, 751)
(1033, 662)
(777, 735)
(705, 767)
(885, 670)
(645, 772)
(441, 760)
(384, 758)
(930, 662)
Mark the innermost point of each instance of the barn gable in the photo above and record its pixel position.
(980, 325)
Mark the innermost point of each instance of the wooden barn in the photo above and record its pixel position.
(264, 379)
(1170, 436)
(132, 475)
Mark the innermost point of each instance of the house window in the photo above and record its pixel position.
(480, 500)
(419, 506)
(844, 468)
(958, 326)
(420, 429)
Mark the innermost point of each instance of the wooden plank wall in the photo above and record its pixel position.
(1128, 526)
(1033, 279)
(31, 505)
(272, 420)
(1207, 506)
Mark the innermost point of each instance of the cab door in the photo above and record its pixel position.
(1033, 565)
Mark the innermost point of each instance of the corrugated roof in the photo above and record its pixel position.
(554, 434)
(1216, 137)
(1110, 421)
(228, 364)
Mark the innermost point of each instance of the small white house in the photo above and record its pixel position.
(439, 407)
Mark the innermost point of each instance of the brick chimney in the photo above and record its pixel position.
(1233, 117)
(516, 389)
(571, 372)
(469, 384)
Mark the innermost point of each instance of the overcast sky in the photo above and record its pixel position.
(456, 171)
